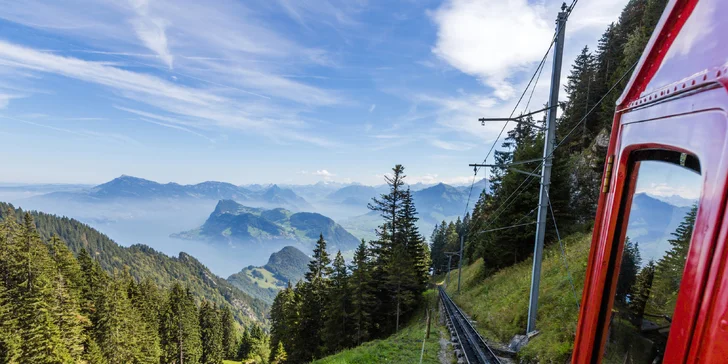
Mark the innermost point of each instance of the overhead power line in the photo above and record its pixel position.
(536, 75)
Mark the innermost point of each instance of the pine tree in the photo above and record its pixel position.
(336, 325)
(362, 295)
(437, 252)
(309, 343)
(245, 346)
(119, 325)
(278, 355)
(41, 338)
(415, 245)
(382, 249)
(669, 269)
(641, 292)
(211, 334)
(631, 262)
(399, 282)
(179, 328)
(146, 299)
(229, 336)
(67, 287)
(284, 319)
(9, 265)
(92, 353)
(93, 284)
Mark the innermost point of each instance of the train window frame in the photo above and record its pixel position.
(672, 156)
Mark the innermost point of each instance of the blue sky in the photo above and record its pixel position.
(267, 91)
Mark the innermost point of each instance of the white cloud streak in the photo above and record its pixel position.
(200, 107)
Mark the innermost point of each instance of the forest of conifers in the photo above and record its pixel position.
(59, 308)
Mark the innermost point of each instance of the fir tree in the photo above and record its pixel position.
(229, 337)
(362, 295)
(336, 325)
(309, 343)
(278, 355)
(245, 346)
(669, 269)
(415, 244)
(118, 325)
(10, 260)
(284, 319)
(41, 338)
(146, 300)
(179, 328)
(211, 334)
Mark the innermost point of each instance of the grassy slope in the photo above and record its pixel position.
(499, 303)
(403, 347)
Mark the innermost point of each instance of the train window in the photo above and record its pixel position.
(660, 209)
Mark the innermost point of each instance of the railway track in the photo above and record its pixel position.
(472, 346)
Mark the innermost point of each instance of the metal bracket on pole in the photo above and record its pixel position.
(510, 165)
(519, 118)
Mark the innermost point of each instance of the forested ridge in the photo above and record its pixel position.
(144, 262)
(59, 308)
(338, 306)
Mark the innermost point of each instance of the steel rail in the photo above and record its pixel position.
(473, 346)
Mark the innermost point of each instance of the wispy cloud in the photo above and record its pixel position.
(151, 31)
(112, 137)
(459, 146)
(201, 107)
(5, 99)
(371, 108)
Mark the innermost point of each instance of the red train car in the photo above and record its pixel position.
(656, 287)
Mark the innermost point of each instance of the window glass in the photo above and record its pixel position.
(661, 218)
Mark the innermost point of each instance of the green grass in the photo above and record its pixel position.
(499, 303)
(230, 362)
(268, 280)
(403, 347)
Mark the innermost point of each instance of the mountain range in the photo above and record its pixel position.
(128, 187)
(287, 265)
(248, 227)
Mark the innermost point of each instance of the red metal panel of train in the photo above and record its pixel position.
(673, 110)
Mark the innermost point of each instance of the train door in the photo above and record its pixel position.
(655, 288)
(650, 264)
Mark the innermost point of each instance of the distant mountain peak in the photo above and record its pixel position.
(234, 224)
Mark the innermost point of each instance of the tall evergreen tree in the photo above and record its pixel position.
(415, 244)
(147, 301)
(68, 281)
(41, 338)
(309, 343)
(362, 295)
(179, 328)
(284, 316)
(211, 334)
(336, 326)
(119, 325)
(669, 269)
(229, 333)
(10, 260)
